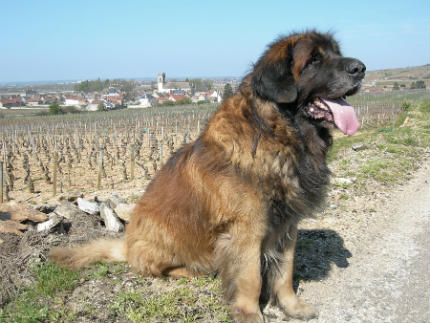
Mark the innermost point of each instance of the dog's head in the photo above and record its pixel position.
(308, 74)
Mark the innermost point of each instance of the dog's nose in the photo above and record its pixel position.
(355, 68)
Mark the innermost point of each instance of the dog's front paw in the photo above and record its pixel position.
(240, 314)
(298, 309)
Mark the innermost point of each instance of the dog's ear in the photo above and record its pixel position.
(274, 81)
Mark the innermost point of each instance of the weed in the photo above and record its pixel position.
(133, 198)
(405, 106)
(164, 307)
(32, 304)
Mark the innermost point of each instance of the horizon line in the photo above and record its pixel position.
(145, 78)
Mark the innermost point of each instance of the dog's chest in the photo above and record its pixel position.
(296, 185)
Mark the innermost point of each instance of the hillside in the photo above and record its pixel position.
(405, 75)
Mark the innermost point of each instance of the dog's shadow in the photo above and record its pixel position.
(316, 250)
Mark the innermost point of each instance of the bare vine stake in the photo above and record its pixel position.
(132, 162)
(54, 176)
(160, 148)
(100, 172)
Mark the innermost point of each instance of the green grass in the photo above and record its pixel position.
(136, 306)
(32, 304)
(388, 98)
(44, 300)
(393, 152)
(180, 304)
(345, 142)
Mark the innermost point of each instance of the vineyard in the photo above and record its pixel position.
(42, 157)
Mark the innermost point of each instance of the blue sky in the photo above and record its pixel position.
(66, 40)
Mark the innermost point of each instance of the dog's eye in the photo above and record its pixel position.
(315, 59)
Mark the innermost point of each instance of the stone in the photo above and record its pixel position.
(359, 146)
(69, 196)
(67, 210)
(8, 226)
(51, 224)
(20, 212)
(87, 206)
(114, 200)
(123, 211)
(111, 221)
(345, 181)
(46, 208)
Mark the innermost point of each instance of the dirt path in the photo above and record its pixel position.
(387, 278)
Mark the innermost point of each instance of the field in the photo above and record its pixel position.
(113, 150)
(405, 74)
(36, 290)
(87, 152)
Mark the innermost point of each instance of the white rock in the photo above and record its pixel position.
(67, 210)
(115, 199)
(88, 207)
(123, 211)
(112, 223)
(358, 146)
(49, 225)
(347, 181)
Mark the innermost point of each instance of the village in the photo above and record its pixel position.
(99, 95)
(136, 94)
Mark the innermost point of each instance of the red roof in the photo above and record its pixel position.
(177, 97)
(11, 101)
(71, 97)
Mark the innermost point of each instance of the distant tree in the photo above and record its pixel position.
(54, 108)
(228, 91)
(208, 84)
(101, 107)
(185, 100)
(396, 86)
(129, 89)
(92, 86)
(168, 103)
(199, 85)
(420, 85)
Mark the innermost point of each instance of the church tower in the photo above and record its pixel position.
(161, 80)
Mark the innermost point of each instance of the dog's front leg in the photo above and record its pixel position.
(238, 256)
(248, 286)
(283, 283)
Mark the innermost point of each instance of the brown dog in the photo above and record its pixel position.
(230, 201)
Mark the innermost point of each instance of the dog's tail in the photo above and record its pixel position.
(81, 255)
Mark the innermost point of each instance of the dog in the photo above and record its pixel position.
(230, 201)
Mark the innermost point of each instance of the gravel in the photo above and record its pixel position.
(387, 278)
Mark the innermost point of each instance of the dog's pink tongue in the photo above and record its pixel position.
(344, 116)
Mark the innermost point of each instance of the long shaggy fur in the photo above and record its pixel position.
(230, 201)
(99, 250)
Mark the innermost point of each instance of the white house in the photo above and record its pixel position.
(94, 105)
(215, 97)
(144, 101)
